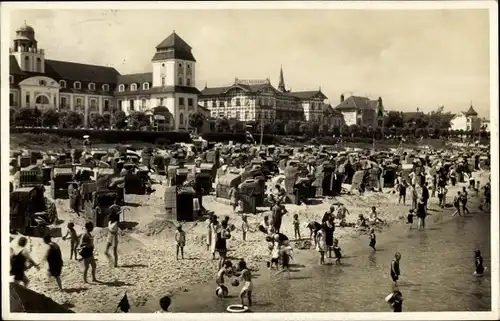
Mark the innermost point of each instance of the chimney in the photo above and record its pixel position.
(342, 98)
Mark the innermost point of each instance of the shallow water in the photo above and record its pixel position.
(436, 265)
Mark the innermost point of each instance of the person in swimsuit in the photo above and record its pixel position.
(463, 201)
(180, 242)
(225, 270)
(373, 239)
(402, 192)
(329, 228)
(321, 244)
(395, 272)
(313, 227)
(73, 240)
(246, 278)
(396, 300)
(164, 304)
(87, 252)
(456, 204)
(296, 227)
(410, 218)
(338, 251)
(222, 235)
(421, 214)
(244, 227)
(19, 260)
(479, 263)
(112, 241)
(54, 260)
(285, 254)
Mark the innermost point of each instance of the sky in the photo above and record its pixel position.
(410, 58)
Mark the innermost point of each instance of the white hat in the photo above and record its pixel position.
(86, 136)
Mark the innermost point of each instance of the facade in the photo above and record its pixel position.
(466, 120)
(67, 86)
(361, 111)
(485, 124)
(258, 100)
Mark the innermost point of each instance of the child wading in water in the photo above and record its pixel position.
(73, 240)
(479, 263)
(337, 251)
(180, 240)
(296, 226)
(244, 227)
(395, 272)
(246, 278)
(373, 239)
(410, 218)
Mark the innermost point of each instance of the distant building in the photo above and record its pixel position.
(361, 111)
(258, 100)
(466, 120)
(485, 124)
(67, 86)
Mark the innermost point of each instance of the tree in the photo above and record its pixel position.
(222, 125)
(197, 120)
(62, 117)
(49, 118)
(12, 116)
(137, 120)
(304, 128)
(106, 120)
(237, 126)
(292, 127)
(263, 128)
(36, 116)
(25, 117)
(278, 126)
(119, 119)
(324, 130)
(393, 118)
(95, 120)
(314, 129)
(74, 119)
(334, 130)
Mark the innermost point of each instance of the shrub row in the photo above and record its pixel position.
(110, 136)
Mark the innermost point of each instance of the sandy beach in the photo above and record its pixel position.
(147, 264)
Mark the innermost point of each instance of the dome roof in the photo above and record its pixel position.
(25, 28)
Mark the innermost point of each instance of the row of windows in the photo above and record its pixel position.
(143, 104)
(63, 84)
(246, 115)
(133, 87)
(145, 86)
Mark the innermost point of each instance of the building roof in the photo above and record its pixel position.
(332, 111)
(311, 94)
(302, 95)
(173, 47)
(471, 112)
(135, 78)
(357, 102)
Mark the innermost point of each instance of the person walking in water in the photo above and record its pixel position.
(479, 263)
(395, 271)
(463, 201)
(87, 252)
(246, 278)
(112, 241)
(54, 260)
(373, 239)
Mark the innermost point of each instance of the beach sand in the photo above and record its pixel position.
(147, 265)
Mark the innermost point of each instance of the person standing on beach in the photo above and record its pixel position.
(244, 227)
(19, 259)
(414, 196)
(112, 241)
(223, 234)
(456, 204)
(296, 227)
(338, 251)
(329, 228)
(246, 278)
(402, 192)
(395, 271)
(54, 260)
(213, 228)
(321, 244)
(313, 227)
(373, 239)
(87, 252)
(421, 214)
(73, 240)
(234, 197)
(463, 201)
(180, 242)
(479, 263)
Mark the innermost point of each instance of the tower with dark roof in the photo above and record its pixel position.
(26, 52)
(173, 63)
(281, 85)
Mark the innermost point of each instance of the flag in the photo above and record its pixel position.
(124, 305)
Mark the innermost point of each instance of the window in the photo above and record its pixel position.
(92, 86)
(120, 104)
(188, 66)
(121, 88)
(62, 83)
(106, 105)
(143, 103)
(133, 87)
(161, 101)
(132, 107)
(163, 65)
(79, 102)
(180, 65)
(181, 101)
(11, 99)
(27, 98)
(43, 100)
(63, 102)
(188, 82)
(205, 103)
(247, 114)
(93, 103)
(11, 79)
(163, 81)
(38, 64)
(105, 87)
(258, 115)
(145, 86)
(181, 119)
(180, 81)
(77, 85)
(380, 123)
(214, 103)
(238, 102)
(238, 114)
(42, 83)
(190, 102)
(27, 63)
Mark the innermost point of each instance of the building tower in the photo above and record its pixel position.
(173, 63)
(26, 52)
(281, 85)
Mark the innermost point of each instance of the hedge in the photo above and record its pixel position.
(110, 136)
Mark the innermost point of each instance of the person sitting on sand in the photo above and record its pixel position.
(342, 213)
(374, 215)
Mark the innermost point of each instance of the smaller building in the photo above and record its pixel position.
(466, 120)
(361, 111)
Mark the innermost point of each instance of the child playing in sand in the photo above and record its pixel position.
(180, 240)
(321, 244)
(373, 239)
(395, 272)
(73, 240)
(296, 227)
(410, 218)
(244, 227)
(361, 222)
(337, 251)
(374, 215)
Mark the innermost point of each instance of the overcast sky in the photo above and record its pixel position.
(410, 58)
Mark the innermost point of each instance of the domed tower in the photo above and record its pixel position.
(28, 56)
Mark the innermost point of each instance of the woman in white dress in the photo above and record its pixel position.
(213, 229)
(321, 244)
